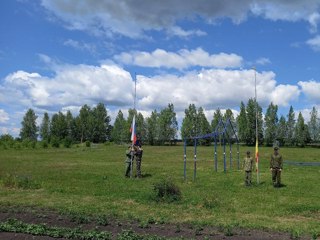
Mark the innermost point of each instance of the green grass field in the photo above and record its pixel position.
(90, 181)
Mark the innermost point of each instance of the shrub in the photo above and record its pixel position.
(166, 191)
(67, 142)
(24, 182)
(44, 144)
(9, 181)
(55, 142)
(88, 143)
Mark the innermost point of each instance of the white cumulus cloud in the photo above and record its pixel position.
(311, 90)
(4, 116)
(314, 43)
(72, 85)
(183, 59)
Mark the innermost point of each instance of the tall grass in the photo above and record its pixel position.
(89, 180)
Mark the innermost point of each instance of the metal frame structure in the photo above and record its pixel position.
(215, 135)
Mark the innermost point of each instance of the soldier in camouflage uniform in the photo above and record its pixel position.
(247, 167)
(276, 164)
(129, 158)
(138, 156)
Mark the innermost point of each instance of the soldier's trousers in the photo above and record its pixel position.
(127, 169)
(247, 179)
(138, 163)
(276, 177)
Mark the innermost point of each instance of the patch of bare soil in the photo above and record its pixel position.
(114, 226)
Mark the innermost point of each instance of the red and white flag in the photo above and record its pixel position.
(133, 130)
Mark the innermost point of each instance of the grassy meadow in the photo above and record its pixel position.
(90, 181)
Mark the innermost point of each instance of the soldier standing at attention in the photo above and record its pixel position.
(129, 158)
(276, 164)
(138, 155)
(247, 167)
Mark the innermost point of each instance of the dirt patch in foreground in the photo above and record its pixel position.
(115, 227)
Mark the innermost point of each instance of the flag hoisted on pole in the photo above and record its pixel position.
(257, 142)
(133, 125)
(133, 131)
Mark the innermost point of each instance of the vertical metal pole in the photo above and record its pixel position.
(257, 142)
(134, 112)
(224, 154)
(238, 153)
(195, 160)
(215, 153)
(230, 154)
(185, 160)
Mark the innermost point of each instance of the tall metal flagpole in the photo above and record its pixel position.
(134, 113)
(256, 108)
(135, 92)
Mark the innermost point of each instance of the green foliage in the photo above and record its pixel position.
(103, 220)
(67, 142)
(23, 182)
(168, 125)
(315, 235)
(314, 125)
(252, 108)
(131, 235)
(242, 124)
(290, 127)
(120, 129)
(271, 124)
(45, 128)
(13, 225)
(88, 143)
(28, 143)
(166, 191)
(55, 142)
(6, 141)
(44, 144)
(152, 128)
(29, 129)
(211, 202)
(295, 234)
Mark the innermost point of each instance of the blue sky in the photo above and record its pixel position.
(59, 55)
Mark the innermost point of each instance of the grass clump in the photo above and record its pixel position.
(166, 191)
(14, 225)
(22, 182)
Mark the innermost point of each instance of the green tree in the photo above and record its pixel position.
(204, 126)
(242, 124)
(45, 128)
(300, 132)
(230, 129)
(189, 127)
(101, 122)
(152, 128)
(168, 125)
(251, 110)
(217, 116)
(29, 129)
(120, 129)
(282, 131)
(141, 127)
(58, 126)
(291, 122)
(314, 125)
(83, 123)
(70, 123)
(271, 124)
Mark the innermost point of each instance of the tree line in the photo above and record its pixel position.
(161, 127)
